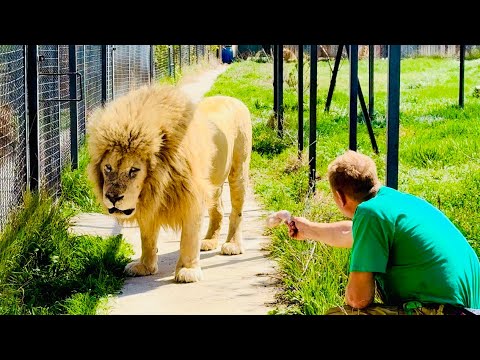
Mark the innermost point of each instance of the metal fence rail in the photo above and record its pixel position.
(48, 92)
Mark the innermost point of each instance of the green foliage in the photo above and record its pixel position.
(473, 54)
(77, 193)
(44, 268)
(266, 141)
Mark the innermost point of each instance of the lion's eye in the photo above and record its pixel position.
(108, 168)
(133, 172)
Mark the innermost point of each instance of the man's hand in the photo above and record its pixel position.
(299, 228)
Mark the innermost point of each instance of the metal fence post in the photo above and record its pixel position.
(172, 58)
(152, 63)
(353, 96)
(169, 56)
(275, 76)
(393, 110)
(180, 58)
(32, 107)
(312, 147)
(104, 73)
(113, 70)
(300, 100)
(72, 68)
(280, 91)
(333, 79)
(371, 57)
(462, 77)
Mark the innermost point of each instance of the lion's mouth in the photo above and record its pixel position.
(115, 210)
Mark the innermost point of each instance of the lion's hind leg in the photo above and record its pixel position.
(210, 242)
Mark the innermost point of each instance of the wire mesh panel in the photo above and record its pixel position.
(131, 68)
(93, 84)
(64, 85)
(176, 59)
(184, 56)
(193, 54)
(161, 61)
(121, 68)
(48, 118)
(201, 53)
(13, 160)
(109, 72)
(80, 55)
(140, 67)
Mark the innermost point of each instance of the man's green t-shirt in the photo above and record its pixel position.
(414, 250)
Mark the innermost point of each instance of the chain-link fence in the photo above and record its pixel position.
(13, 140)
(47, 93)
(170, 60)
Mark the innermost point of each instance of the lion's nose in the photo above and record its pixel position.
(114, 198)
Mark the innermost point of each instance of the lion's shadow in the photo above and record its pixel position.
(166, 267)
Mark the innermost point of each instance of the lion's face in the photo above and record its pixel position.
(123, 177)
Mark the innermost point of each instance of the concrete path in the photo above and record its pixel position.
(232, 285)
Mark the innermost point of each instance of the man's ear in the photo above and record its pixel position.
(342, 197)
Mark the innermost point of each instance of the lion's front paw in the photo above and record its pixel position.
(230, 248)
(209, 244)
(186, 275)
(136, 268)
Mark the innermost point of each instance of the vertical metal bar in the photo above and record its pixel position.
(300, 100)
(280, 91)
(85, 83)
(113, 71)
(353, 96)
(462, 77)
(393, 115)
(275, 75)
(367, 118)
(32, 105)
(152, 63)
(312, 146)
(129, 72)
(104, 74)
(180, 57)
(26, 97)
(72, 68)
(172, 60)
(58, 147)
(371, 57)
(169, 55)
(333, 80)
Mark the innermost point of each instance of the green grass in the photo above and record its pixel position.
(46, 270)
(438, 158)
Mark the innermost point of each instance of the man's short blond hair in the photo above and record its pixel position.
(354, 174)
